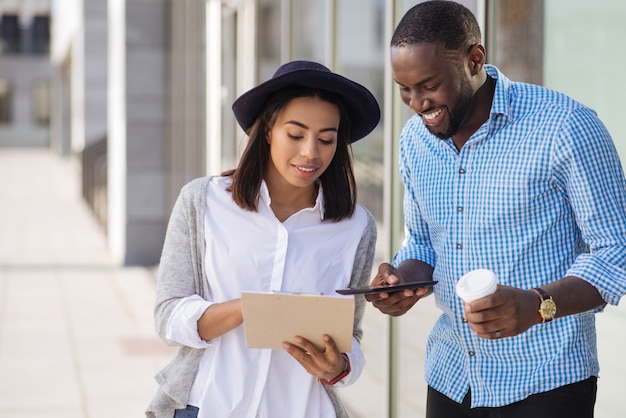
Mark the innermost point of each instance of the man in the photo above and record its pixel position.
(517, 179)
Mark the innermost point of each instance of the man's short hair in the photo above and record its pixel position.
(439, 21)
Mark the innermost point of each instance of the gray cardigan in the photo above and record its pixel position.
(183, 258)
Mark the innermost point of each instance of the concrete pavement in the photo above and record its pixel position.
(76, 334)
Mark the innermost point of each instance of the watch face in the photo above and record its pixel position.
(547, 309)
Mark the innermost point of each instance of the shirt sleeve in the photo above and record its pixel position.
(589, 170)
(182, 326)
(416, 245)
(357, 364)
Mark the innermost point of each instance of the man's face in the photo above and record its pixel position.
(434, 83)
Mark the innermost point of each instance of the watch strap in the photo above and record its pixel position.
(341, 375)
(547, 307)
(542, 293)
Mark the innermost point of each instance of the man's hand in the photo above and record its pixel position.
(398, 303)
(511, 311)
(506, 313)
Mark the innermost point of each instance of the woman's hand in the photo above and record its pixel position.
(325, 363)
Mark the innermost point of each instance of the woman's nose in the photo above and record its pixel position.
(309, 147)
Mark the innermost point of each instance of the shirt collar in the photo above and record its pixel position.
(264, 196)
(500, 103)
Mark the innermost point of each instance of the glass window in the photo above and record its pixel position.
(360, 56)
(24, 37)
(10, 36)
(41, 102)
(270, 38)
(5, 101)
(582, 58)
(41, 34)
(515, 41)
(534, 42)
(309, 28)
(229, 138)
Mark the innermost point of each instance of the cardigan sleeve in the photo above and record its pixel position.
(361, 275)
(181, 272)
(362, 270)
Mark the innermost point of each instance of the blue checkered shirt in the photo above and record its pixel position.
(537, 193)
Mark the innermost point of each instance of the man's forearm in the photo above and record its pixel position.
(573, 295)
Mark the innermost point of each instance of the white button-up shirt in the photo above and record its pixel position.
(254, 251)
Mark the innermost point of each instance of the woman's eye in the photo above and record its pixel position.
(293, 136)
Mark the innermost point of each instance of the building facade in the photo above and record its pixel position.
(25, 73)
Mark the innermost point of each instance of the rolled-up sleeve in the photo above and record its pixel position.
(590, 170)
(182, 326)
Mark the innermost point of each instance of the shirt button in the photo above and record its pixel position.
(471, 353)
(459, 209)
(464, 321)
(462, 171)
(459, 246)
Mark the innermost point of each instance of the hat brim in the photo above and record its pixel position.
(361, 104)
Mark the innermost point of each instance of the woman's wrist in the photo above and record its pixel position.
(341, 375)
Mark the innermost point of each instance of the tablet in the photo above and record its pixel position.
(367, 290)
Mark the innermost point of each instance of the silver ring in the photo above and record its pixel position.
(498, 334)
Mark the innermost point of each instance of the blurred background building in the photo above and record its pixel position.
(139, 93)
(24, 72)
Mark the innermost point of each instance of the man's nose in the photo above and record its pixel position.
(418, 102)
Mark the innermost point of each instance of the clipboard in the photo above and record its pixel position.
(269, 318)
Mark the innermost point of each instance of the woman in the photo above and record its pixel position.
(285, 219)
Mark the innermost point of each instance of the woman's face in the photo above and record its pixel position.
(303, 141)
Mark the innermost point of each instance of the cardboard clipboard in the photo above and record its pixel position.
(270, 318)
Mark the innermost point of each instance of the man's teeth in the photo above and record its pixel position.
(433, 115)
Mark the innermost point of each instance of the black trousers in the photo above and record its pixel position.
(570, 401)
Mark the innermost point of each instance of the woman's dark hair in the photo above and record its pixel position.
(338, 182)
(439, 21)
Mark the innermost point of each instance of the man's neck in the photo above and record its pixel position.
(479, 114)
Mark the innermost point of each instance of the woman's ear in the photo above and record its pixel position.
(268, 136)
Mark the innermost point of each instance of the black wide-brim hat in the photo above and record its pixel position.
(361, 104)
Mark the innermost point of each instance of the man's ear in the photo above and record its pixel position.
(476, 58)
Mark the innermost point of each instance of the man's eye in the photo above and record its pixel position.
(432, 88)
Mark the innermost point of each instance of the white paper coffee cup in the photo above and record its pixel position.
(476, 284)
